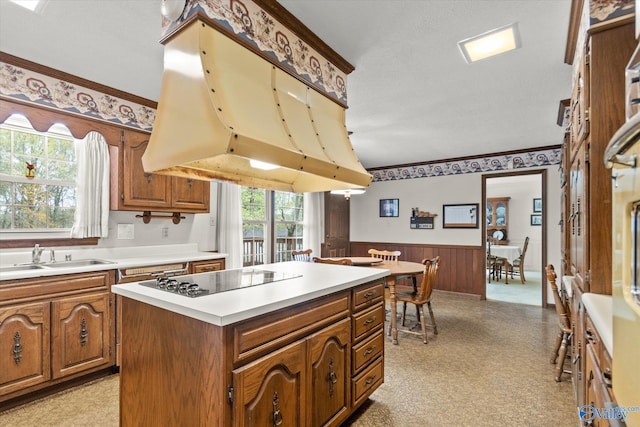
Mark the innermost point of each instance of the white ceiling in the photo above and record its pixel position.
(412, 97)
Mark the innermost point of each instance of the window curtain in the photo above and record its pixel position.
(92, 186)
(313, 222)
(230, 224)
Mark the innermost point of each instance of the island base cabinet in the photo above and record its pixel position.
(269, 390)
(305, 383)
(24, 346)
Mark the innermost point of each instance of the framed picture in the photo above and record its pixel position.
(389, 207)
(536, 219)
(537, 205)
(460, 216)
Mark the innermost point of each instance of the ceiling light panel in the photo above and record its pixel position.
(491, 43)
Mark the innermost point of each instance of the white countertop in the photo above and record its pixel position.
(124, 257)
(232, 306)
(599, 308)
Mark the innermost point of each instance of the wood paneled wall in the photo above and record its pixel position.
(461, 267)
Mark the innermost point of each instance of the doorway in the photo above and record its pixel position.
(520, 197)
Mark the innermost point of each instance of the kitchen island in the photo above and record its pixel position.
(304, 350)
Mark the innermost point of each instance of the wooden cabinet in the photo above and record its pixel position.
(80, 333)
(273, 390)
(54, 329)
(134, 189)
(498, 219)
(292, 366)
(24, 346)
(207, 266)
(597, 111)
(598, 376)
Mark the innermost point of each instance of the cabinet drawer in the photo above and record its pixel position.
(207, 266)
(30, 289)
(257, 336)
(367, 351)
(367, 295)
(367, 321)
(364, 384)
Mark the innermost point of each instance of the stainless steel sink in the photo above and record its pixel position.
(76, 263)
(20, 268)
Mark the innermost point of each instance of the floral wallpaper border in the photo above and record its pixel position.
(605, 10)
(252, 24)
(36, 88)
(499, 163)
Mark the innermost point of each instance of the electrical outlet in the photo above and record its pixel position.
(212, 221)
(165, 232)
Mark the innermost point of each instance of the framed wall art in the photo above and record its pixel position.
(537, 205)
(389, 207)
(460, 216)
(536, 219)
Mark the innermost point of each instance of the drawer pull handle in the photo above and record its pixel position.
(83, 332)
(17, 348)
(607, 378)
(332, 377)
(370, 294)
(590, 336)
(277, 415)
(370, 350)
(370, 379)
(370, 320)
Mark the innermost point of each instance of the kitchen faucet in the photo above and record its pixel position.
(52, 255)
(35, 254)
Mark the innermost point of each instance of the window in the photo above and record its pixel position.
(271, 225)
(37, 177)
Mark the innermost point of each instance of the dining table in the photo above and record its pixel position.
(397, 270)
(508, 253)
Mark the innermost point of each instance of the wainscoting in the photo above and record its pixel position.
(461, 267)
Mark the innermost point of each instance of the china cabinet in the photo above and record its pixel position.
(498, 219)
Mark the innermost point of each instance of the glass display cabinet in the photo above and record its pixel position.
(497, 218)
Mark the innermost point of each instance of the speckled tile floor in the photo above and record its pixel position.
(489, 366)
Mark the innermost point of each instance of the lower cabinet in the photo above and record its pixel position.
(24, 346)
(66, 333)
(273, 390)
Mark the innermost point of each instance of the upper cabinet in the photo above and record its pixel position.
(498, 219)
(133, 189)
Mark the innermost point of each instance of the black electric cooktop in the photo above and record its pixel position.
(202, 284)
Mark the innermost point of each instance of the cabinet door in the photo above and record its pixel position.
(189, 194)
(271, 390)
(81, 333)
(328, 367)
(142, 190)
(578, 217)
(24, 346)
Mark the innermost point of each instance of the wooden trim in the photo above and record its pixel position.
(57, 241)
(458, 159)
(572, 33)
(42, 118)
(70, 78)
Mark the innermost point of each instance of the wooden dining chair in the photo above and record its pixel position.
(304, 255)
(421, 297)
(340, 261)
(385, 255)
(564, 322)
(517, 266)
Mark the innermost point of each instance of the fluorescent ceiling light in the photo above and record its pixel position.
(262, 165)
(491, 43)
(33, 5)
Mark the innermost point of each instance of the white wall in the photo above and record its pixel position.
(429, 194)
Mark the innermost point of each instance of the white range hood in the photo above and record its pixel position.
(222, 105)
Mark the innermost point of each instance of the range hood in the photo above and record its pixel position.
(221, 105)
